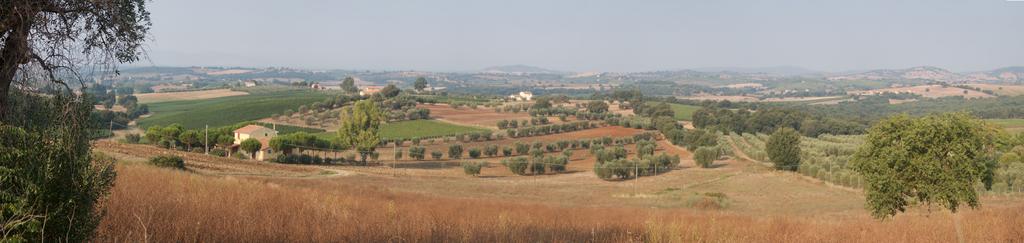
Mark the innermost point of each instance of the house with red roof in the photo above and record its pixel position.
(260, 133)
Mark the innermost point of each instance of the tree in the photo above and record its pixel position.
(251, 146)
(783, 148)
(48, 39)
(455, 151)
(420, 84)
(50, 180)
(360, 127)
(349, 85)
(597, 106)
(390, 91)
(705, 156)
(935, 159)
(189, 138)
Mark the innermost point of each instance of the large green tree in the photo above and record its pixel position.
(360, 127)
(349, 85)
(783, 148)
(55, 37)
(251, 146)
(420, 84)
(50, 182)
(936, 159)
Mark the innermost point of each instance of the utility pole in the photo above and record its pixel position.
(636, 175)
(207, 138)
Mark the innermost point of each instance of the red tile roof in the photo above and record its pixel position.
(250, 128)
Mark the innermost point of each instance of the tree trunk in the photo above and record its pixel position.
(14, 54)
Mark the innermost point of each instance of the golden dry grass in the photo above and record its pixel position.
(161, 205)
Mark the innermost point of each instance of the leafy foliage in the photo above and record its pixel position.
(933, 159)
(783, 149)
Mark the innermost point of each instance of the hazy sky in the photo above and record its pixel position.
(588, 35)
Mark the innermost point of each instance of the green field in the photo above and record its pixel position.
(287, 129)
(684, 112)
(417, 128)
(228, 110)
(1011, 125)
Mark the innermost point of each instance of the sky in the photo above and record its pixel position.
(587, 35)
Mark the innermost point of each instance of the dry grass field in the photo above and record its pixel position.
(1002, 90)
(163, 205)
(930, 91)
(187, 95)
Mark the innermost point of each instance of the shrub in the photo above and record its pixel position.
(398, 154)
(455, 151)
(473, 168)
(506, 151)
(516, 165)
(522, 148)
(557, 163)
(417, 153)
(436, 155)
(783, 149)
(491, 150)
(538, 165)
(474, 153)
(168, 162)
(132, 138)
(705, 156)
(218, 152)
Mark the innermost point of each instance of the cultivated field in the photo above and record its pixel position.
(929, 91)
(186, 95)
(683, 112)
(224, 111)
(1011, 125)
(1001, 90)
(481, 116)
(423, 129)
(735, 201)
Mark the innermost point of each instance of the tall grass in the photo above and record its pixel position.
(153, 204)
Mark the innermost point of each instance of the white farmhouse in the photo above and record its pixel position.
(260, 133)
(521, 96)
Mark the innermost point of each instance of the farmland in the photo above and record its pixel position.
(186, 95)
(683, 112)
(228, 110)
(1011, 125)
(423, 129)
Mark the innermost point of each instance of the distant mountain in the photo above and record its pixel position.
(1006, 74)
(520, 69)
(775, 70)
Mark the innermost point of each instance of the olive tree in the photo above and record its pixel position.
(936, 159)
(783, 148)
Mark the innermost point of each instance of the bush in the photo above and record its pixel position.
(491, 150)
(436, 155)
(218, 152)
(455, 151)
(557, 163)
(516, 165)
(538, 165)
(168, 162)
(506, 151)
(398, 154)
(132, 138)
(522, 148)
(783, 148)
(474, 153)
(473, 168)
(417, 153)
(705, 156)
